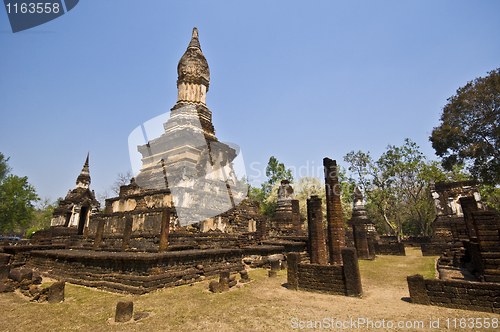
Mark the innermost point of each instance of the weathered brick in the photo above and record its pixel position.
(435, 299)
(448, 289)
(492, 278)
(479, 308)
(435, 288)
(481, 303)
(477, 292)
(460, 301)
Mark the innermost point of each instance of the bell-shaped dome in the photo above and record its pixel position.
(193, 67)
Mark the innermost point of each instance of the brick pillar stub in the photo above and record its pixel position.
(99, 233)
(4, 271)
(351, 272)
(401, 247)
(124, 312)
(127, 233)
(56, 292)
(293, 260)
(418, 292)
(316, 231)
(224, 279)
(335, 232)
(165, 228)
(275, 265)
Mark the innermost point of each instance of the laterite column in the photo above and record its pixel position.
(335, 232)
(316, 231)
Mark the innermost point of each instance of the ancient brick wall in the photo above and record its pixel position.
(458, 294)
(331, 279)
(323, 278)
(458, 228)
(392, 248)
(136, 273)
(487, 230)
(434, 249)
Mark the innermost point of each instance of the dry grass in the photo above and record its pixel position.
(262, 305)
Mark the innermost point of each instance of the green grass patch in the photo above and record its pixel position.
(386, 269)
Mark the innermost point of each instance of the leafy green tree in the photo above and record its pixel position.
(469, 132)
(396, 187)
(491, 196)
(275, 172)
(44, 211)
(42, 215)
(16, 199)
(4, 168)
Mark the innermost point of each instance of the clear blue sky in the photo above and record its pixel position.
(294, 79)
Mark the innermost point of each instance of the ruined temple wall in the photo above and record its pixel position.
(148, 222)
(392, 248)
(136, 273)
(457, 294)
(232, 228)
(446, 196)
(487, 227)
(324, 278)
(138, 200)
(321, 278)
(58, 221)
(243, 218)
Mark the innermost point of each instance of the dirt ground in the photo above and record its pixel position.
(265, 304)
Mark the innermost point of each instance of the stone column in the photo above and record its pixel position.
(293, 260)
(98, 234)
(296, 217)
(275, 267)
(165, 228)
(127, 233)
(316, 231)
(351, 272)
(336, 236)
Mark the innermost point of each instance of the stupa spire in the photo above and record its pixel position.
(83, 180)
(195, 42)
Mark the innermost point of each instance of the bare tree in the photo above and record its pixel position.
(114, 190)
(122, 179)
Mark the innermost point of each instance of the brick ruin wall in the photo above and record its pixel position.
(234, 228)
(457, 294)
(484, 252)
(322, 278)
(391, 248)
(434, 249)
(135, 273)
(331, 279)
